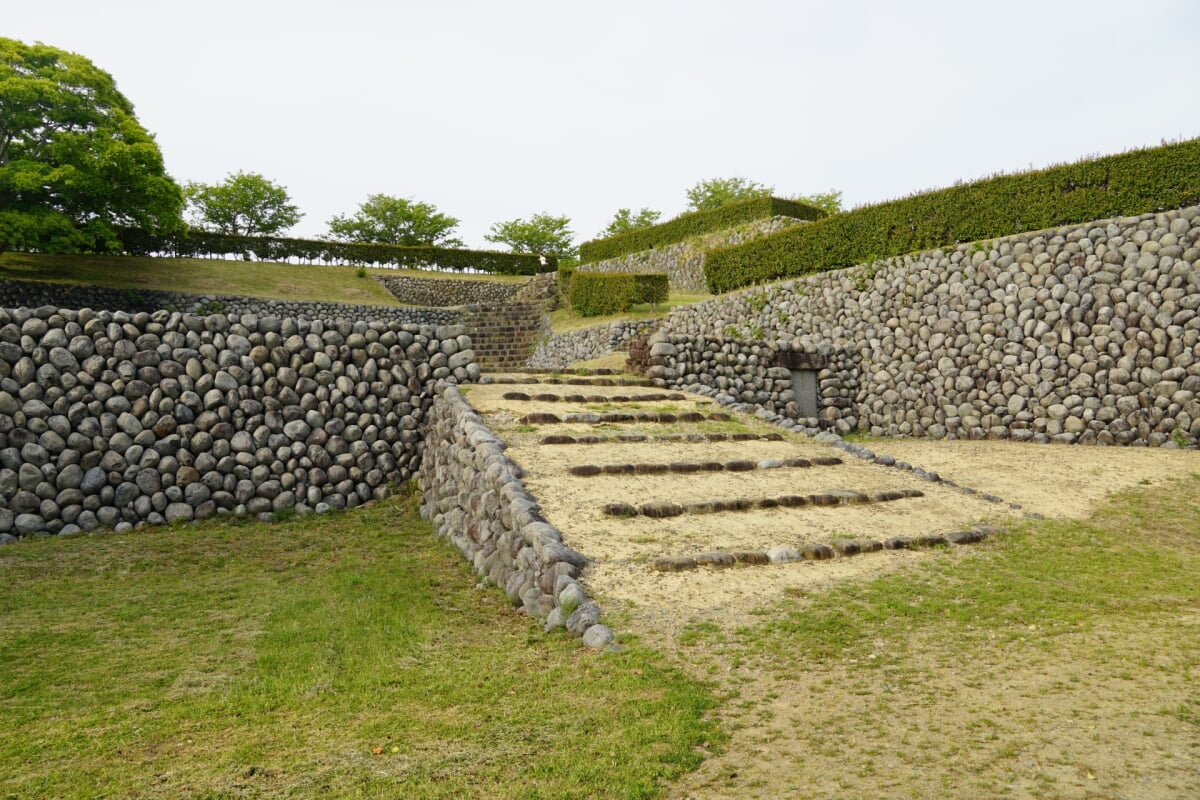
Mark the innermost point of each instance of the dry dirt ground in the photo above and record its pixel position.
(806, 736)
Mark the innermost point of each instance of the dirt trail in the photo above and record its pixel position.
(1047, 480)
(1022, 719)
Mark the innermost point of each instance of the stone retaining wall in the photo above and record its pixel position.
(505, 333)
(1089, 333)
(473, 496)
(34, 294)
(447, 291)
(114, 420)
(683, 262)
(564, 349)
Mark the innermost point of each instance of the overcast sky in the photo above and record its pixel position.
(496, 110)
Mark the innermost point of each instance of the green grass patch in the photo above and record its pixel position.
(565, 319)
(1133, 562)
(346, 656)
(301, 282)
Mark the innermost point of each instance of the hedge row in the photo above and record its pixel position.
(651, 288)
(1128, 184)
(195, 243)
(594, 294)
(693, 224)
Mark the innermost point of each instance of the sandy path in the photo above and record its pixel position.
(844, 731)
(622, 549)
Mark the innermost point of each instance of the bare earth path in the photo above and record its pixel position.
(831, 733)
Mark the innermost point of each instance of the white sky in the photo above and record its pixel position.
(496, 110)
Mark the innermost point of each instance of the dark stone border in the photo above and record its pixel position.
(592, 418)
(842, 548)
(838, 497)
(592, 398)
(740, 465)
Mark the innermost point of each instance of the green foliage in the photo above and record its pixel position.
(196, 243)
(1127, 184)
(383, 219)
(541, 234)
(625, 221)
(361, 272)
(564, 280)
(74, 161)
(651, 288)
(695, 223)
(830, 202)
(346, 655)
(594, 294)
(717, 192)
(244, 204)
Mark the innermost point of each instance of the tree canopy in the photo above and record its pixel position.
(542, 234)
(244, 204)
(830, 201)
(716, 192)
(625, 221)
(75, 163)
(383, 219)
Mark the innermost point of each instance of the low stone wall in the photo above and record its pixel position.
(473, 495)
(683, 263)
(114, 420)
(34, 294)
(564, 349)
(760, 374)
(1088, 333)
(447, 291)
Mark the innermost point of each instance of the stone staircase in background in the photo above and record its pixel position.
(504, 334)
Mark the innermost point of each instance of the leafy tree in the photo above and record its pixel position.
(625, 221)
(716, 192)
(396, 220)
(830, 202)
(75, 164)
(244, 204)
(541, 234)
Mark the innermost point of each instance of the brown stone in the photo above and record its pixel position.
(673, 563)
(715, 559)
(750, 557)
(817, 552)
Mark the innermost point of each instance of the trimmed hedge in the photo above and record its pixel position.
(651, 288)
(1127, 184)
(695, 223)
(564, 280)
(595, 294)
(198, 244)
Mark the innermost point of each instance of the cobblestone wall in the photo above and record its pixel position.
(1089, 333)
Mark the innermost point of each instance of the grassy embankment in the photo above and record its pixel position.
(269, 280)
(1058, 659)
(346, 656)
(215, 276)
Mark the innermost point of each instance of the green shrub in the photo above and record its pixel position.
(564, 280)
(652, 289)
(594, 294)
(196, 243)
(693, 224)
(1127, 184)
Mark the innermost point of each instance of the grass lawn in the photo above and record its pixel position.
(1059, 659)
(216, 276)
(349, 655)
(565, 319)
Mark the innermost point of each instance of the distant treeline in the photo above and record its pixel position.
(194, 243)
